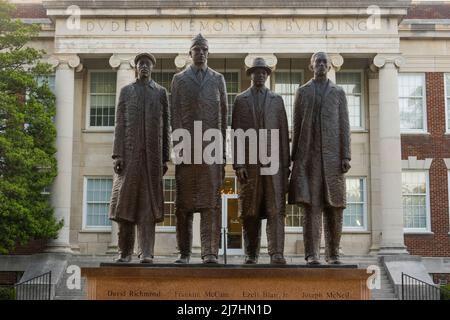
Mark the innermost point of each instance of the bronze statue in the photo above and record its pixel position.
(321, 157)
(199, 95)
(262, 196)
(140, 153)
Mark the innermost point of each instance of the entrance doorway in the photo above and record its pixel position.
(231, 226)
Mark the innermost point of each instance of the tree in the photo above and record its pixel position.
(27, 137)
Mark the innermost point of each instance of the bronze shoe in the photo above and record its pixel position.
(277, 258)
(251, 260)
(123, 259)
(333, 260)
(146, 259)
(210, 258)
(183, 259)
(312, 261)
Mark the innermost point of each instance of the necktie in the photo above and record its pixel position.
(200, 75)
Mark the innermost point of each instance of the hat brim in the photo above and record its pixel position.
(141, 55)
(251, 69)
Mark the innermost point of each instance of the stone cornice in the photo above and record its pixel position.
(53, 4)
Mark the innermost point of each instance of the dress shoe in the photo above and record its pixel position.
(123, 259)
(210, 258)
(183, 259)
(146, 259)
(333, 260)
(312, 261)
(277, 258)
(251, 260)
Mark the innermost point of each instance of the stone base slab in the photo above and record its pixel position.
(225, 282)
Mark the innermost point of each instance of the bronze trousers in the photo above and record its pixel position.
(312, 230)
(210, 228)
(146, 237)
(266, 208)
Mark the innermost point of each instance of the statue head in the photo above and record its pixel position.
(320, 64)
(199, 50)
(259, 72)
(144, 63)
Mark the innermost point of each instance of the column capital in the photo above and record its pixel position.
(336, 60)
(270, 58)
(66, 61)
(182, 60)
(122, 61)
(381, 60)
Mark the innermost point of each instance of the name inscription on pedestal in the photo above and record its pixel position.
(119, 283)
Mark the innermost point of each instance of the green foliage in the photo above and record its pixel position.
(7, 293)
(27, 137)
(445, 292)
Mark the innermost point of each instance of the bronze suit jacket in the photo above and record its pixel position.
(335, 135)
(157, 149)
(274, 118)
(198, 185)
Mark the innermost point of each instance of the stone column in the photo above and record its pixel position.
(390, 166)
(124, 64)
(271, 60)
(336, 63)
(61, 192)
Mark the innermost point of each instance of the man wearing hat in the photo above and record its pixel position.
(199, 95)
(140, 156)
(262, 196)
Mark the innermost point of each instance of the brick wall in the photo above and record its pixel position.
(436, 145)
(424, 11)
(30, 11)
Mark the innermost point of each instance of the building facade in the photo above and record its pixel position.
(392, 58)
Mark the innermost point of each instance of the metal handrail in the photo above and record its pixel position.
(416, 289)
(36, 288)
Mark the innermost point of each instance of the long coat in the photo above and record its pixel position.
(125, 146)
(335, 144)
(274, 118)
(198, 185)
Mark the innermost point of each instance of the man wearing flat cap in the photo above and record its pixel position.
(199, 96)
(140, 156)
(321, 154)
(263, 196)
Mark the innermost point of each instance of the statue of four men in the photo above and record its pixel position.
(141, 150)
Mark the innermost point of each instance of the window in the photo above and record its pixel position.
(355, 213)
(97, 194)
(415, 200)
(233, 88)
(50, 80)
(352, 84)
(163, 78)
(412, 102)
(286, 84)
(447, 100)
(294, 216)
(102, 99)
(169, 189)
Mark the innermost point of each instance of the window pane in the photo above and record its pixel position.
(411, 103)
(286, 84)
(354, 212)
(98, 194)
(414, 190)
(233, 89)
(351, 84)
(294, 216)
(169, 190)
(102, 99)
